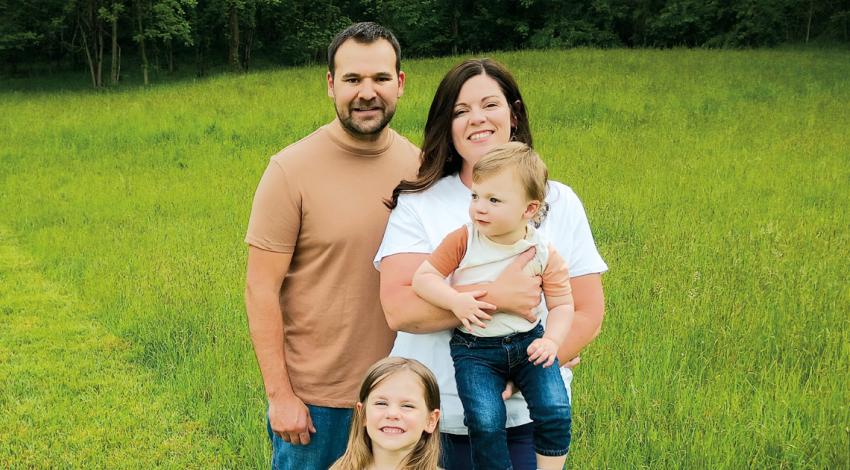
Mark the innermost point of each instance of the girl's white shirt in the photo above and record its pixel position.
(419, 223)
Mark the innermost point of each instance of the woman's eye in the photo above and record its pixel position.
(459, 112)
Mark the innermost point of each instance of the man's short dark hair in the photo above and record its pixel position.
(364, 33)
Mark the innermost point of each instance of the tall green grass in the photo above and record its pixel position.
(717, 184)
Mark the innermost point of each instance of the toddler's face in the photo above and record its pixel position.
(396, 413)
(500, 208)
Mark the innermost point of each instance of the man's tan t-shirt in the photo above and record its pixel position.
(321, 199)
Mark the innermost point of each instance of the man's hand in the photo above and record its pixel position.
(543, 351)
(514, 291)
(468, 309)
(290, 419)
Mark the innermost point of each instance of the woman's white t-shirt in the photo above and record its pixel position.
(419, 223)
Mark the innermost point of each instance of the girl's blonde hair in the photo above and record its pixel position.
(527, 166)
(426, 454)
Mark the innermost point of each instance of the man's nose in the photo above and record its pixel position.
(367, 90)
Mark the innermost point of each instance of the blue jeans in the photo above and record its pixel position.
(482, 367)
(456, 453)
(326, 445)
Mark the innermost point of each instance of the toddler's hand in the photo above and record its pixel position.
(468, 310)
(542, 351)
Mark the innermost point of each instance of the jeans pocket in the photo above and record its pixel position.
(458, 341)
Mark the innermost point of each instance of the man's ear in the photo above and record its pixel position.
(330, 79)
(401, 78)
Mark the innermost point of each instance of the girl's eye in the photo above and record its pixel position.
(380, 403)
(408, 405)
(494, 200)
(474, 197)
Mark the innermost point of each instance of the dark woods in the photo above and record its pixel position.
(155, 36)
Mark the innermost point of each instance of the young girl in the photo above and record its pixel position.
(396, 420)
(508, 187)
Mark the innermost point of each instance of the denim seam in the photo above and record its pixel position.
(552, 453)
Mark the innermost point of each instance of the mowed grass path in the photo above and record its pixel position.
(717, 184)
(70, 395)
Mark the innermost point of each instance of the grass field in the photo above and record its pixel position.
(717, 184)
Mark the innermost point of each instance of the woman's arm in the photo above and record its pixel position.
(406, 311)
(430, 284)
(587, 321)
(512, 291)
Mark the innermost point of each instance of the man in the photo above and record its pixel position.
(311, 294)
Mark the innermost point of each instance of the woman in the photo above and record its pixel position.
(477, 106)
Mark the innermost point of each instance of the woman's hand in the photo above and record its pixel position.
(515, 291)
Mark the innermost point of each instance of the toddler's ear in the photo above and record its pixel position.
(531, 209)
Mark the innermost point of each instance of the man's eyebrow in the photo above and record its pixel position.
(351, 75)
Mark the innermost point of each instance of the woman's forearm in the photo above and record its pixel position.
(587, 320)
(404, 310)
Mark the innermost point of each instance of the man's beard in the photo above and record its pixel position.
(370, 129)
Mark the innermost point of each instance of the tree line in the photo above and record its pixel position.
(50, 35)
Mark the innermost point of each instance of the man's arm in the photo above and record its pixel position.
(288, 415)
(512, 291)
(587, 320)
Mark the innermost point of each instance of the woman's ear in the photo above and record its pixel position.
(433, 419)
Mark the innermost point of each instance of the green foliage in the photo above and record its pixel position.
(715, 183)
(293, 32)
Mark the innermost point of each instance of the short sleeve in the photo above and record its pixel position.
(571, 233)
(448, 255)
(556, 276)
(276, 213)
(405, 233)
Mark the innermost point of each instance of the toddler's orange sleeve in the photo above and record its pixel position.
(447, 257)
(556, 277)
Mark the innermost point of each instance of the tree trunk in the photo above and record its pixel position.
(234, 38)
(115, 54)
(249, 42)
(88, 56)
(99, 53)
(809, 23)
(142, 49)
(455, 17)
(170, 57)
